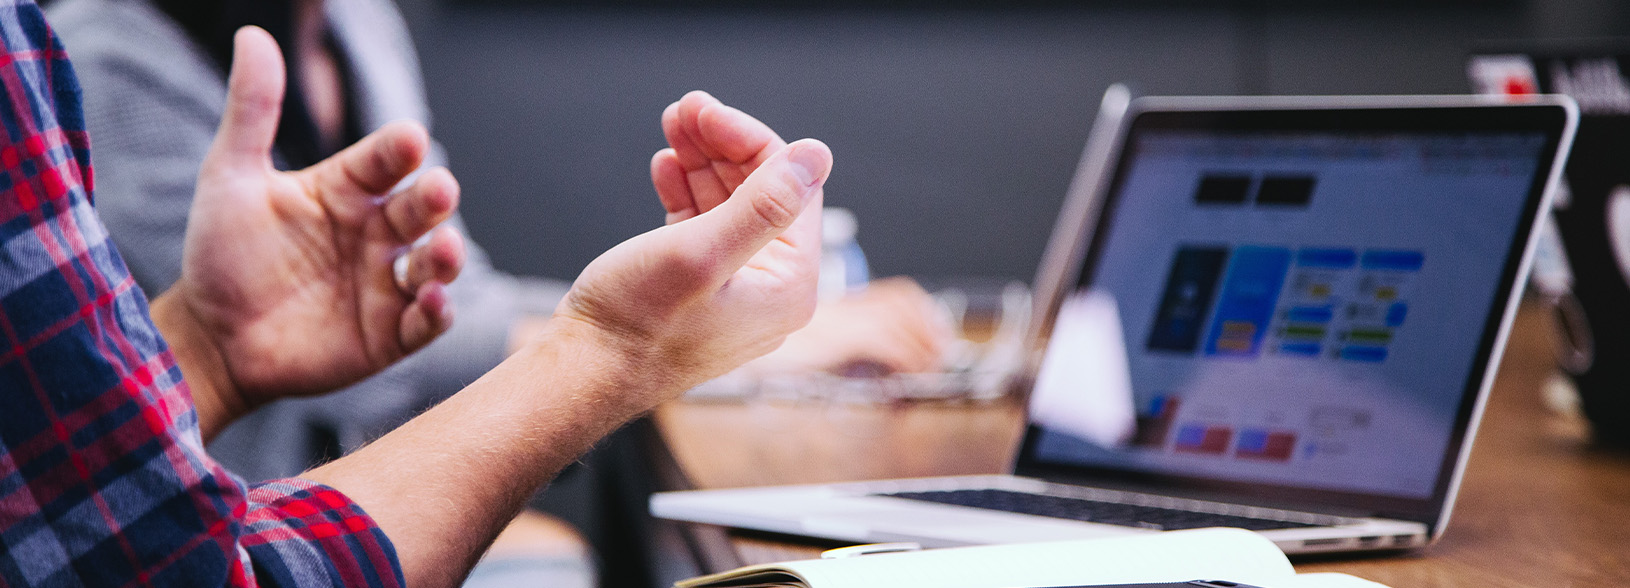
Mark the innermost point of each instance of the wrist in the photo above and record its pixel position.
(525, 329)
(626, 375)
(202, 365)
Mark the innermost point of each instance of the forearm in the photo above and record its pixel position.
(444, 484)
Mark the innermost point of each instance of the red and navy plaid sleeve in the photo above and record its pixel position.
(103, 477)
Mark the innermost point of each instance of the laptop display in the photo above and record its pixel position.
(1302, 303)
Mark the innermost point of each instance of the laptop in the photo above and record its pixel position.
(1281, 314)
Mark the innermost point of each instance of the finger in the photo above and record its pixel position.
(707, 188)
(737, 143)
(717, 145)
(372, 166)
(717, 132)
(254, 101)
(674, 132)
(932, 333)
(428, 316)
(770, 202)
(893, 360)
(668, 176)
(889, 341)
(679, 127)
(439, 260)
(427, 203)
(918, 354)
(890, 350)
(735, 136)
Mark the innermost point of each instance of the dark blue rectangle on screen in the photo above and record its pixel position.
(1300, 349)
(1190, 286)
(1310, 314)
(1327, 258)
(1364, 353)
(1403, 261)
(1396, 314)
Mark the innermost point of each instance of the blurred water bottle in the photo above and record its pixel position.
(843, 264)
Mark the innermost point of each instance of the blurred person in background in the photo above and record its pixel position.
(154, 78)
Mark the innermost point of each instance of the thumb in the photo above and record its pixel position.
(763, 207)
(254, 100)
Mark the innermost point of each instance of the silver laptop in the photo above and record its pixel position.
(1280, 314)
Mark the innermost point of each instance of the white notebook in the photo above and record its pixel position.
(1231, 555)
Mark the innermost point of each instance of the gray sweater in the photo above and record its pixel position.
(152, 101)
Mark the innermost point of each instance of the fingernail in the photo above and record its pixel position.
(807, 164)
(434, 294)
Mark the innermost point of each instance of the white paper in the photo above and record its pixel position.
(1084, 388)
(1178, 556)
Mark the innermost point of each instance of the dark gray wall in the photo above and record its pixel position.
(955, 132)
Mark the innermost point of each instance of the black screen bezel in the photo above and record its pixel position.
(1547, 118)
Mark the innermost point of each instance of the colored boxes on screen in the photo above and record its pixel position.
(1223, 188)
(1307, 303)
(1265, 445)
(1204, 439)
(1311, 298)
(1246, 304)
(1241, 189)
(1155, 423)
(1381, 304)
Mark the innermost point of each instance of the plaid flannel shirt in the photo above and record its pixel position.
(103, 477)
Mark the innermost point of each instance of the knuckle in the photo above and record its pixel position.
(254, 104)
(777, 206)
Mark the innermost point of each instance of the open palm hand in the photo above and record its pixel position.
(290, 274)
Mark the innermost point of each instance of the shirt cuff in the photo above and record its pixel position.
(300, 533)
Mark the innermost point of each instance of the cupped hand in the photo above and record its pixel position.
(890, 327)
(290, 274)
(734, 270)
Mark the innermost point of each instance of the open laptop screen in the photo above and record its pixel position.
(1293, 300)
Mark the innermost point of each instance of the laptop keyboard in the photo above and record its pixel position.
(1094, 511)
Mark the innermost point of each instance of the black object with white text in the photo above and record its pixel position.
(1592, 215)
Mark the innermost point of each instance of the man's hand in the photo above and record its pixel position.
(287, 284)
(733, 272)
(891, 326)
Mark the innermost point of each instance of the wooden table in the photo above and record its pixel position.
(1539, 506)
